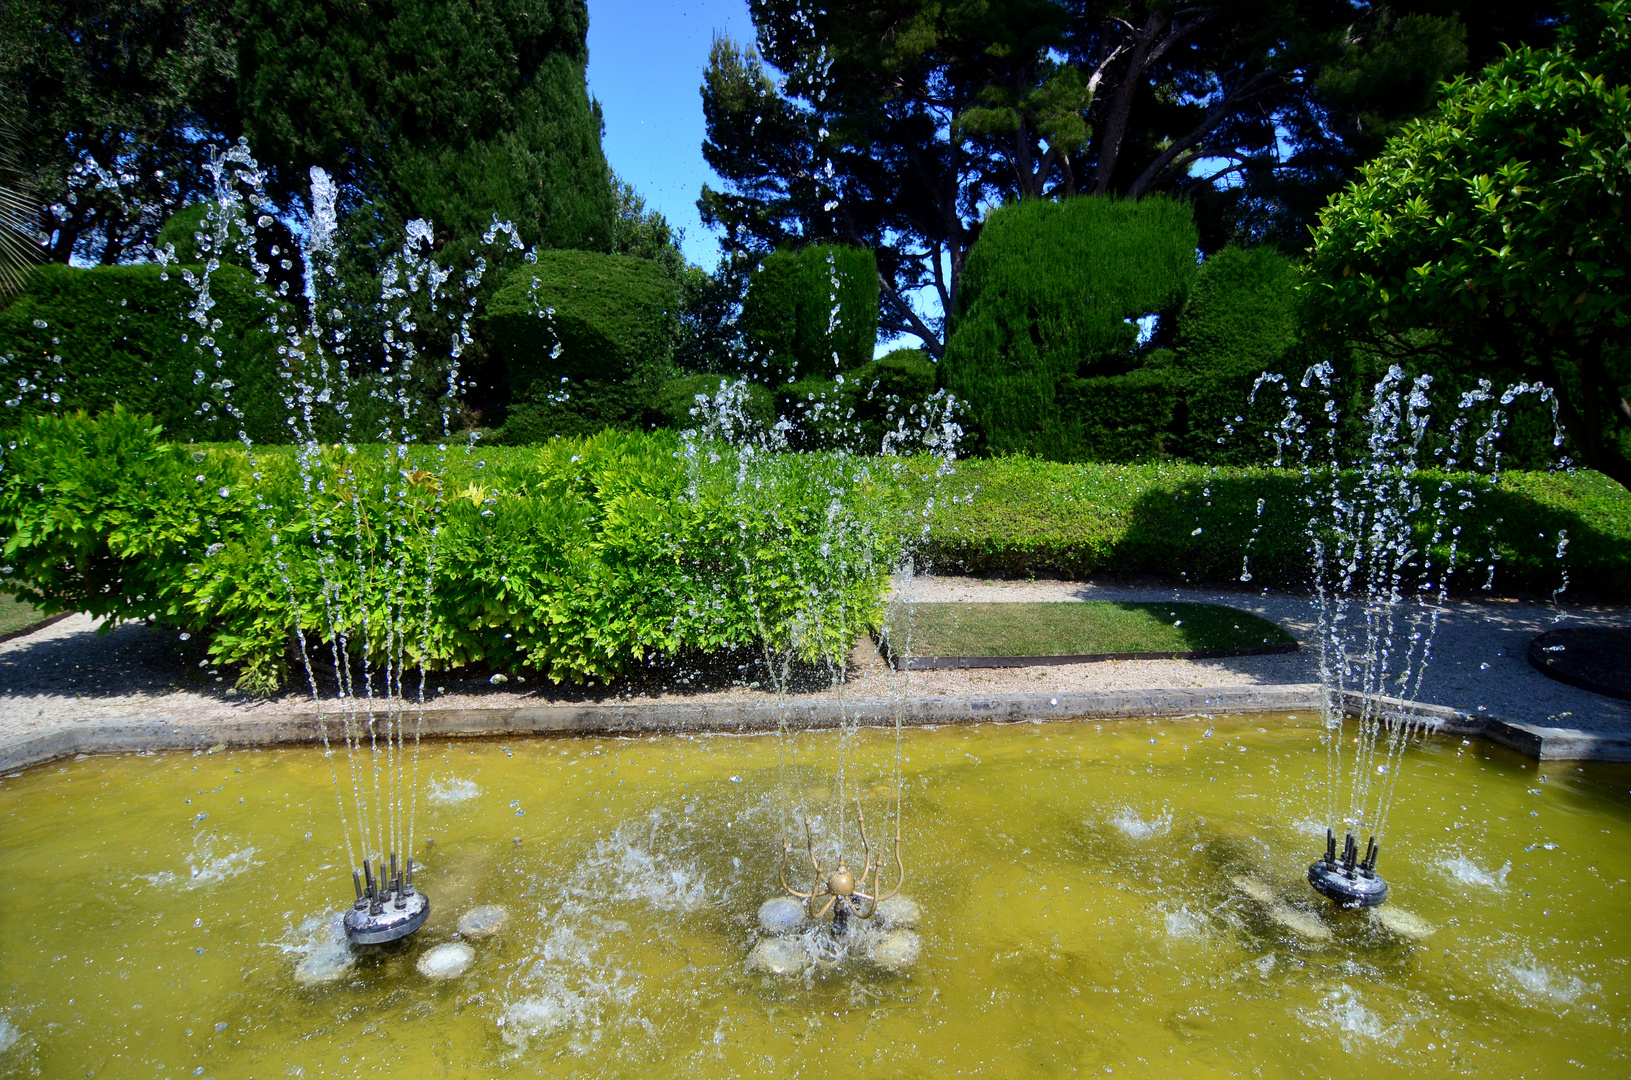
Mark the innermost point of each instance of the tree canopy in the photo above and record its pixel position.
(115, 103)
(897, 126)
(1492, 236)
(451, 112)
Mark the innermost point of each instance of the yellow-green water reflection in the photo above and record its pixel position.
(1076, 880)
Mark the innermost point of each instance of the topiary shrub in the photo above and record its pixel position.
(859, 408)
(586, 341)
(1239, 320)
(788, 323)
(1043, 316)
(90, 338)
(675, 406)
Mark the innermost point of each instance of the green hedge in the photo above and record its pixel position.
(580, 558)
(109, 334)
(1239, 320)
(1023, 517)
(857, 410)
(787, 321)
(584, 557)
(599, 359)
(1043, 312)
(675, 406)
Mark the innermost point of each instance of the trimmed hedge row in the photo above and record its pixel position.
(811, 313)
(1023, 517)
(94, 337)
(584, 557)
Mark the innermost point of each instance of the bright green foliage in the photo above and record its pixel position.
(1021, 516)
(1494, 234)
(675, 406)
(114, 334)
(579, 558)
(586, 339)
(453, 113)
(1047, 297)
(1240, 319)
(788, 322)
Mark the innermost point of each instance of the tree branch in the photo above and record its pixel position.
(1156, 169)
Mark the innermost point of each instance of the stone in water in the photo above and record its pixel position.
(1254, 888)
(896, 950)
(483, 922)
(779, 956)
(899, 913)
(783, 915)
(324, 964)
(446, 961)
(1300, 923)
(1402, 923)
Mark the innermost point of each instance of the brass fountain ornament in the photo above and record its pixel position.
(845, 894)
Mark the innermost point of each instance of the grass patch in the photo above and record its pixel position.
(16, 614)
(1078, 628)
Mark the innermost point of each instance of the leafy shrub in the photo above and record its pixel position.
(586, 339)
(580, 558)
(1044, 307)
(788, 322)
(94, 337)
(676, 403)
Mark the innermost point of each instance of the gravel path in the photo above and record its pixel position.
(67, 673)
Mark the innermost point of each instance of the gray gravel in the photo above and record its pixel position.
(67, 673)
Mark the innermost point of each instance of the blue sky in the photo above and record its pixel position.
(645, 66)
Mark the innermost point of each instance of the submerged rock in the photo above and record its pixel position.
(783, 915)
(1298, 922)
(446, 961)
(324, 964)
(1254, 888)
(895, 950)
(483, 922)
(899, 913)
(1402, 923)
(779, 956)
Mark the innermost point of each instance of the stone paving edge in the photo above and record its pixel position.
(116, 735)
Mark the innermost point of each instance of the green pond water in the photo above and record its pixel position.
(1118, 899)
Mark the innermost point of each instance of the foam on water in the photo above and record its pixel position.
(1184, 923)
(1355, 1023)
(9, 1034)
(570, 986)
(1534, 979)
(645, 861)
(452, 789)
(1133, 826)
(1468, 872)
(205, 867)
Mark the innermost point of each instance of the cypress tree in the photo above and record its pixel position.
(454, 112)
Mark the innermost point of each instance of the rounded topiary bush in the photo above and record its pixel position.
(586, 340)
(789, 322)
(1044, 320)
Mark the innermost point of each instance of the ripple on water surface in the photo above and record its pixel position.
(1082, 899)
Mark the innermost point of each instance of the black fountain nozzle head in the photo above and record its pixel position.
(388, 909)
(1349, 880)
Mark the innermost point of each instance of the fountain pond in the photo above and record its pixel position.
(1122, 897)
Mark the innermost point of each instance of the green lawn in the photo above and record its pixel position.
(14, 614)
(1077, 628)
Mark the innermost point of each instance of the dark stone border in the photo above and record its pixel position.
(146, 733)
(1565, 672)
